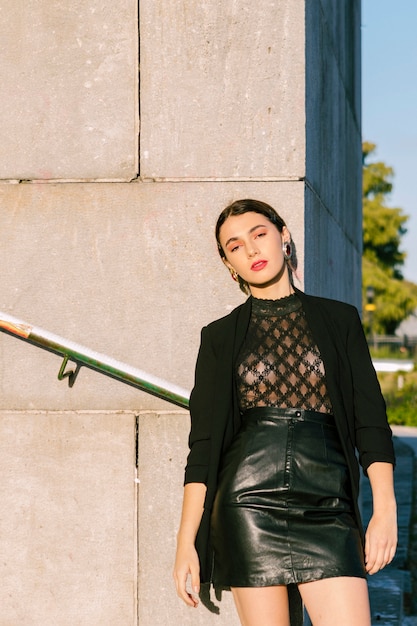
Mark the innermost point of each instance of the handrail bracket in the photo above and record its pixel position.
(70, 374)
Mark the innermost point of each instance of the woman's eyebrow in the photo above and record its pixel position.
(249, 232)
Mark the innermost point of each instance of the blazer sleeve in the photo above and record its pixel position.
(201, 410)
(373, 434)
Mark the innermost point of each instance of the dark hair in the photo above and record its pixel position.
(249, 206)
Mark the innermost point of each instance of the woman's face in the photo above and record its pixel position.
(253, 248)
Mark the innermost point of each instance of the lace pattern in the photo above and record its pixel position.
(279, 363)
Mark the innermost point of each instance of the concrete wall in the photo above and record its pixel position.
(106, 238)
(333, 201)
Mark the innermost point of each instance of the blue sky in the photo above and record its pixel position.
(389, 103)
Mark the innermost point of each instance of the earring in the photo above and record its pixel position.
(233, 274)
(287, 250)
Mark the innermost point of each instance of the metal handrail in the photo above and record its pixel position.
(82, 356)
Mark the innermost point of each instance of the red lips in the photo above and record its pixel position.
(258, 265)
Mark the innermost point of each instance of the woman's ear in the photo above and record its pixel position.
(285, 234)
(228, 265)
(233, 272)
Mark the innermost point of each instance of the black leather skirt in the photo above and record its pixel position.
(283, 510)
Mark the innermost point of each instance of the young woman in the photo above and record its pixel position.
(284, 396)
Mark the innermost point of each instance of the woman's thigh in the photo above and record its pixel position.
(342, 600)
(262, 606)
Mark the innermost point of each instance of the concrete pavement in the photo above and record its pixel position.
(391, 590)
(407, 434)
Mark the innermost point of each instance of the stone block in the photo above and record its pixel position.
(67, 519)
(69, 95)
(222, 89)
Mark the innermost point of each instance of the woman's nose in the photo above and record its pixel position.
(252, 250)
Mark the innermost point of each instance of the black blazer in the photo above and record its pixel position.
(358, 405)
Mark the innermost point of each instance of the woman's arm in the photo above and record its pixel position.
(186, 560)
(381, 535)
(373, 437)
(376, 452)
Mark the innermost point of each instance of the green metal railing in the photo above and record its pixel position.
(81, 356)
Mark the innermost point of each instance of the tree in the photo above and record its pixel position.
(388, 299)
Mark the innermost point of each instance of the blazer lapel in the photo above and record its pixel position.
(322, 332)
(241, 327)
(240, 330)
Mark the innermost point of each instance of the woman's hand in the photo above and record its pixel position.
(187, 564)
(381, 535)
(381, 539)
(186, 561)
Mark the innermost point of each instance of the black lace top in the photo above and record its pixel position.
(279, 363)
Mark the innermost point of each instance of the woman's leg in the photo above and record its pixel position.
(262, 606)
(343, 601)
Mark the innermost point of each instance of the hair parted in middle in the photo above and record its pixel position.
(247, 205)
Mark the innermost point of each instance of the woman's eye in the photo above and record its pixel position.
(260, 235)
(234, 248)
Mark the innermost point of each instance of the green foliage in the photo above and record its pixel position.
(383, 227)
(401, 402)
(382, 232)
(394, 300)
(390, 352)
(376, 176)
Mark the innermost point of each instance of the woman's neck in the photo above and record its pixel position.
(272, 292)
